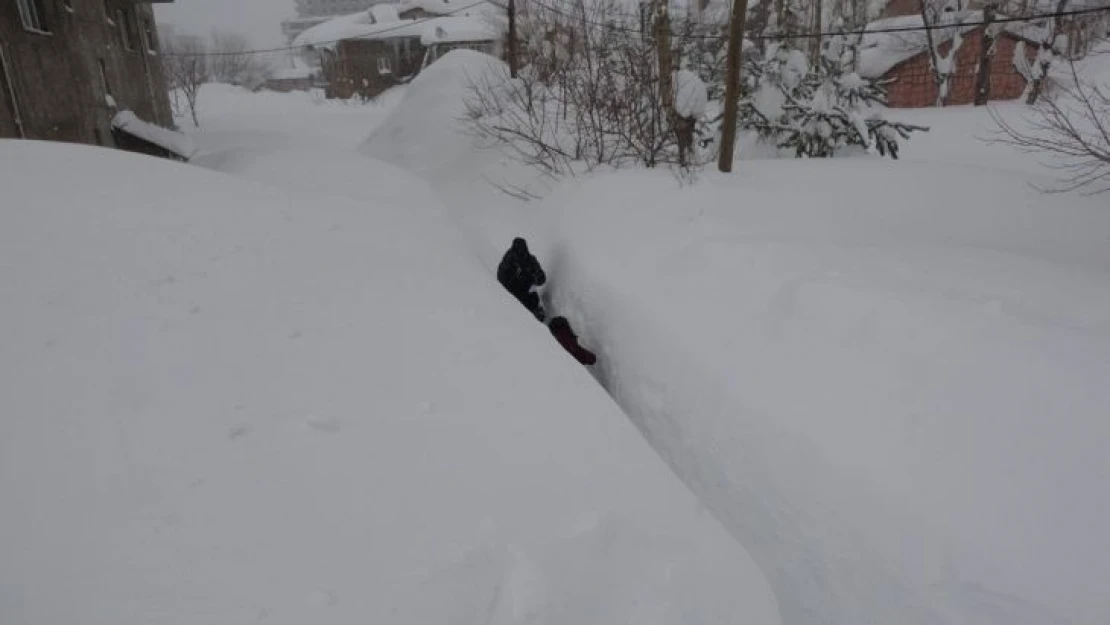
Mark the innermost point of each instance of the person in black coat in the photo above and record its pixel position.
(520, 273)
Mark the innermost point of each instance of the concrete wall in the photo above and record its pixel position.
(914, 87)
(57, 76)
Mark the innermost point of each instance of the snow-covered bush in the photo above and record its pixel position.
(819, 111)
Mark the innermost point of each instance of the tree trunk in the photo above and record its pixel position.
(732, 84)
(512, 39)
(815, 42)
(1050, 39)
(665, 62)
(986, 55)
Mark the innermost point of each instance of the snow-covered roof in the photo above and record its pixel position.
(171, 140)
(363, 25)
(459, 29)
(442, 7)
(384, 13)
(880, 52)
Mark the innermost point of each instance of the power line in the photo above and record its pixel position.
(777, 37)
(580, 20)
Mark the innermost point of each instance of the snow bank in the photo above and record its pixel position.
(236, 124)
(164, 138)
(225, 403)
(426, 135)
(895, 400)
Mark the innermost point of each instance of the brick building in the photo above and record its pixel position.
(68, 68)
(903, 58)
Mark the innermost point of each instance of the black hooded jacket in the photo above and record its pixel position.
(519, 272)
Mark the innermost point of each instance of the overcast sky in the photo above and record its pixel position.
(259, 20)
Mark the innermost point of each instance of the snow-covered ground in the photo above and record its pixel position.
(226, 403)
(884, 379)
(892, 405)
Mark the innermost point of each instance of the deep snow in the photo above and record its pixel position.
(883, 377)
(228, 402)
(901, 419)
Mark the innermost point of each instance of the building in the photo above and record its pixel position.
(70, 68)
(366, 53)
(903, 59)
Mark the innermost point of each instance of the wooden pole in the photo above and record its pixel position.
(732, 84)
(663, 50)
(986, 53)
(512, 39)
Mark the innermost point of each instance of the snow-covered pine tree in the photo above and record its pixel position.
(820, 111)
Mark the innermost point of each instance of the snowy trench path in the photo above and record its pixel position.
(746, 476)
(833, 551)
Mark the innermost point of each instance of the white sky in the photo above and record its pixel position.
(259, 20)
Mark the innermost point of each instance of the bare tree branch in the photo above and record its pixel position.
(1072, 126)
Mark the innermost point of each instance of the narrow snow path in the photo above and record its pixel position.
(748, 475)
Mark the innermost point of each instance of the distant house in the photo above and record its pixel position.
(366, 53)
(69, 68)
(903, 58)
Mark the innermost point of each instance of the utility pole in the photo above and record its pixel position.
(732, 84)
(815, 43)
(512, 39)
(663, 49)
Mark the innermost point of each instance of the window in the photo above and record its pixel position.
(30, 12)
(124, 31)
(146, 32)
(384, 66)
(104, 79)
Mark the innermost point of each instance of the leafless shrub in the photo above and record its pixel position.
(1071, 125)
(587, 95)
(186, 71)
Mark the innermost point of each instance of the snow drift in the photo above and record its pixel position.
(896, 400)
(425, 135)
(224, 403)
